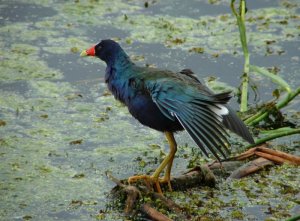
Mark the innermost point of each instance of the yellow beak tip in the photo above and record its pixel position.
(83, 54)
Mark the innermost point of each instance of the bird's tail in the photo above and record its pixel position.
(232, 122)
(230, 119)
(222, 98)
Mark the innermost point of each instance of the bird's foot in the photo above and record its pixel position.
(151, 180)
(168, 181)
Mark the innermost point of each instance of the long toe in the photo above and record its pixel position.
(150, 181)
(157, 186)
(134, 179)
(166, 180)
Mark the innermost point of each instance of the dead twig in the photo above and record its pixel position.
(250, 167)
(270, 154)
(246, 154)
(114, 179)
(132, 193)
(153, 213)
(266, 158)
(287, 158)
(198, 176)
(170, 204)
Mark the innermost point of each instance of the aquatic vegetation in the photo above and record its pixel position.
(23, 63)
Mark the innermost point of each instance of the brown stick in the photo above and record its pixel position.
(168, 203)
(246, 154)
(295, 160)
(153, 213)
(133, 195)
(250, 168)
(115, 180)
(273, 158)
(172, 206)
(198, 176)
(276, 155)
(226, 165)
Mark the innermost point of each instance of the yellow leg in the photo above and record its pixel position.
(166, 163)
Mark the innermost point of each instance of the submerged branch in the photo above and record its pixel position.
(153, 213)
(250, 168)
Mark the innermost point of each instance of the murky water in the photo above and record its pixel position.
(60, 131)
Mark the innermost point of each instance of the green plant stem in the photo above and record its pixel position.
(290, 96)
(287, 132)
(275, 78)
(295, 218)
(242, 29)
(263, 114)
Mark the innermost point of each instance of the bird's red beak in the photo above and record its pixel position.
(88, 52)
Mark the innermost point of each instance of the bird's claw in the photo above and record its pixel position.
(166, 180)
(152, 181)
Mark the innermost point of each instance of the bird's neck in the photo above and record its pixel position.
(119, 61)
(116, 76)
(118, 67)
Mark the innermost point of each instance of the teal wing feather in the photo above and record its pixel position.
(197, 110)
(231, 121)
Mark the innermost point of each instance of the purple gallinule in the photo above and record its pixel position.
(168, 102)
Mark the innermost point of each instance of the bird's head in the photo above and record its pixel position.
(107, 50)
